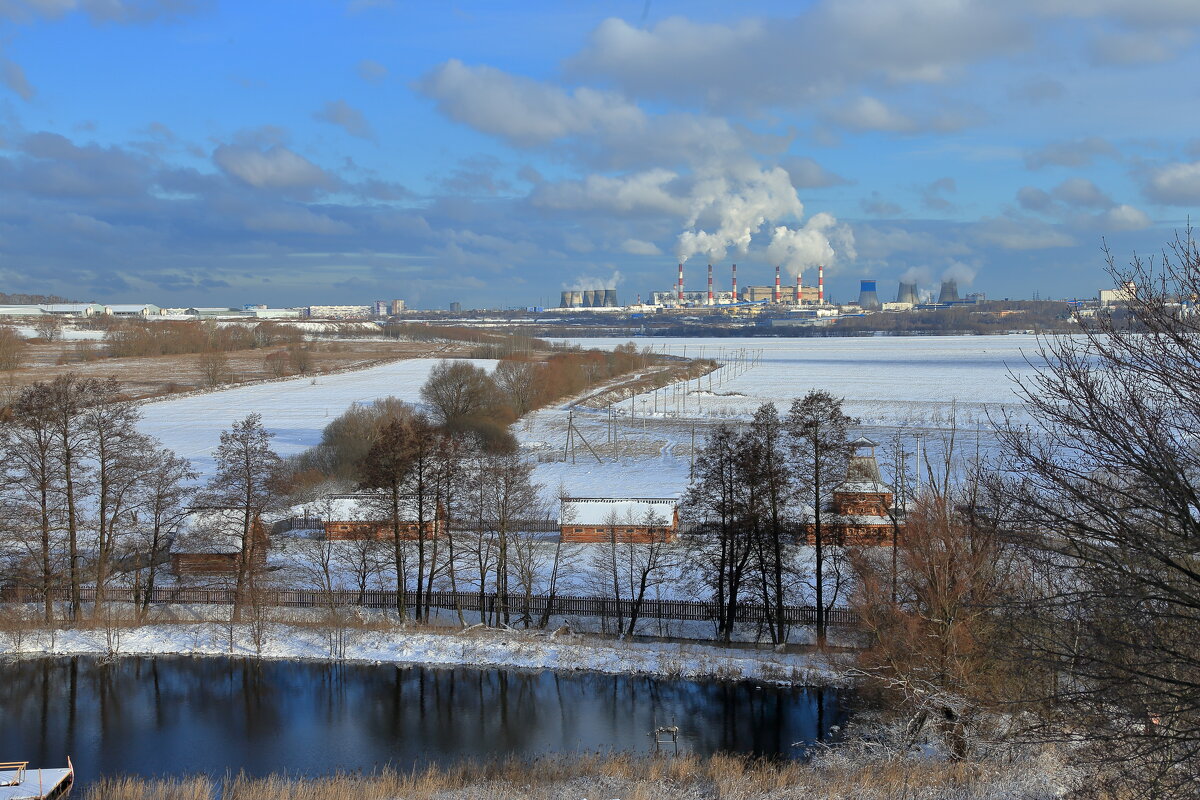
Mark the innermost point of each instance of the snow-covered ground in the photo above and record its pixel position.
(916, 383)
(482, 648)
(295, 411)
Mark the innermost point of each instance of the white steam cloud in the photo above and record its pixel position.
(735, 204)
(821, 240)
(730, 206)
(589, 283)
(958, 271)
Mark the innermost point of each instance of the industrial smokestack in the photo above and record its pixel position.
(778, 296)
(710, 292)
(735, 294)
(799, 289)
(610, 298)
(907, 293)
(820, 284)
(949, 292)
(867, 298)
(679, 294)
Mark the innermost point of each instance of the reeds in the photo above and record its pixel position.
(626, 776)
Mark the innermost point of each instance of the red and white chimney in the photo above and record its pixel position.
(735, 294)
(679, 293)
(799, 288)
(710, 292)
(820, 284)
(777, 293)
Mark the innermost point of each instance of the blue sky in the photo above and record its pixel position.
(193, 152)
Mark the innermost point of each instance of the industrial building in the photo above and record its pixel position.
(588, 298)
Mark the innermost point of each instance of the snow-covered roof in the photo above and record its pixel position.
(210, 530)
(876, 487)
(75, 308)
(364, 508)
(620, 510)
(134, 308)
(21, 311)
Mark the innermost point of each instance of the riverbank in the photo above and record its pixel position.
(378, 643)
(635, 778)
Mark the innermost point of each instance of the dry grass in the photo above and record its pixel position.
(152, 376)
(624, 776)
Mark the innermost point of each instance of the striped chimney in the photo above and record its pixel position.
(820, 284)
(679, 295)
(735, 296)
(799, 288)
(710, 293)
(777, 294)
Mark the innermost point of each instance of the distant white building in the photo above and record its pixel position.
(339, 312)
(135, 310)
(23, 311)
(76, 309)
(1119, 296)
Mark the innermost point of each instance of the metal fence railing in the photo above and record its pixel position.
(535, 605)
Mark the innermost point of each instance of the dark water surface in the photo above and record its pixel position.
(181, 715)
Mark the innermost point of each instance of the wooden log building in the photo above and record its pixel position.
(862, 510)
(621, 519)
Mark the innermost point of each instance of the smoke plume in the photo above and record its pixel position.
(588, 283)
(821, 240)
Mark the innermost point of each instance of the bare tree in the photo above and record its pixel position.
(49, 328)
(246, 480)
(12, 349)
(32, 486)
(458, 391)
(165, 492)
(937, 645)
(820, 452)
(214, 368)
(1103, 492)
(518, 380)
(713, 515)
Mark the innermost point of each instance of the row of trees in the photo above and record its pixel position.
(756, 490)
(81, 487)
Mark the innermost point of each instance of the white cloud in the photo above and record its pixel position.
(1176, 184)
(872, 114)
(1012, 234)
(637, 247)
(1081, 193)
(350, 119)
(638, 193)
(524, 111)
(274, 168)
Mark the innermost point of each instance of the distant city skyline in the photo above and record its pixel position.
(196, 152)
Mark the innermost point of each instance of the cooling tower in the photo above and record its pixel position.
(907, 293)
(565, 302)
(610, 298)
(949, 292)
(867, 298)
(589, 298)
(576, 299)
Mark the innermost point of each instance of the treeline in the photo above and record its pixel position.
(20, 299)
(130, 339)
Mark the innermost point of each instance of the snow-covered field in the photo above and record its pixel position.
(888, 382)
(481, 648)
(295, 411)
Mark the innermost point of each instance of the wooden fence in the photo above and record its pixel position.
(517, 604)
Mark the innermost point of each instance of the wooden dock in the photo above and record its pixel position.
(19, 782)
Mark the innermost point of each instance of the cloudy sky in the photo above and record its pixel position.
(208, 152)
